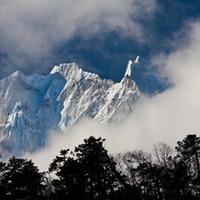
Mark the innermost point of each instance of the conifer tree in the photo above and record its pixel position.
(22, 180)
(189, 150)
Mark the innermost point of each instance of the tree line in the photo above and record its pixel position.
(89, 172)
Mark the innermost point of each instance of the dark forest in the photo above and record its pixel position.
(89, 172)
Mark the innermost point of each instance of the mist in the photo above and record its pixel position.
(167, 117)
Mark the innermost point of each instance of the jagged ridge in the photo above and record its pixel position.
(32, 106)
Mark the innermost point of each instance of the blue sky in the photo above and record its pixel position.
(100, 36)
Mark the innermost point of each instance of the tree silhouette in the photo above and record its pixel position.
(189, 150)
(163, 153)
(89, 170)
(21, 180)
(3, 182)
(90, 173)
(70, 177)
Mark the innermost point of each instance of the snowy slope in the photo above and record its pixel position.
(32, 106)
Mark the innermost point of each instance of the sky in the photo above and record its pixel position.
(101, 36)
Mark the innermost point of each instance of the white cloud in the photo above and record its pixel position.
(167, 117)
(31, 29)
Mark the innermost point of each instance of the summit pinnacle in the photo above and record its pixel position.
(128, 69)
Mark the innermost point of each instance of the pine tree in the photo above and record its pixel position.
(189, 150)
(90, 170)
(23, 180)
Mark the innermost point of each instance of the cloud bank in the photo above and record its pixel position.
(32, 29)
(167, 117)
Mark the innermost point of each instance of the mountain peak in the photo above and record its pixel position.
(35, 105)
(128, 69)
(17, 74)
(137, 60)
(65, 69)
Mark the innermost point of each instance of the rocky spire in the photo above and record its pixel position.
(128, 69)
(137, 60)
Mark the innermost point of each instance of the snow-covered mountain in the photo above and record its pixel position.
(31, 106)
